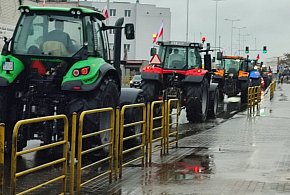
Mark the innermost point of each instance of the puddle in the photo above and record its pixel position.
(191, 167)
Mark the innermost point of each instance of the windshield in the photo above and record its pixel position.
(137, 78)
(179, 58)
(232, 66)
(48, 35)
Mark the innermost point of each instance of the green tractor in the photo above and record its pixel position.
(58, 62)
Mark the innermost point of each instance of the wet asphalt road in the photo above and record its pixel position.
(194, 161)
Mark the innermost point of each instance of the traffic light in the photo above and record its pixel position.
(265, 49)
(247, 49)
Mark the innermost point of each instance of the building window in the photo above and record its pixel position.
(113, 12)
(127, 47)
(127, 13)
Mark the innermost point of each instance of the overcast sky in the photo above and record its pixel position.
(267, 21)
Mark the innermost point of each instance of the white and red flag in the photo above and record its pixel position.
(105, 12)
(159, 34)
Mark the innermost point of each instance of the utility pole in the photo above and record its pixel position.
(232, 21)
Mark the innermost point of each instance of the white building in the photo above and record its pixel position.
(147, 20)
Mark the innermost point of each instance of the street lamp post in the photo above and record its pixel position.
(232, 21)
(216, 21)
(239, 28)
(187, 20)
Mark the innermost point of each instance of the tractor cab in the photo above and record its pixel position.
(179, 55)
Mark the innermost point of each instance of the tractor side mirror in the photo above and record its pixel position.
(153, 51)
(219, 55)
(207, 62)
(129, 31)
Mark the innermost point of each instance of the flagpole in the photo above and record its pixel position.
(163, 29)
(108, 6)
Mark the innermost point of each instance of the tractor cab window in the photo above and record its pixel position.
(194, 58)
(174, 57)
(232, 66)
(48, 35)
(99, 46)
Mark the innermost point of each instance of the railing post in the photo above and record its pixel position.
(72, 157)
(117, 138)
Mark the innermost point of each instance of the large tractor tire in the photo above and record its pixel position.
(244, 93)
(197, 101)
(213, 103)
(106, 95)
(150, 90)
(8, 115)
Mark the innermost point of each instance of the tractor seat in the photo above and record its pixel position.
(177, 64)
(55, 48)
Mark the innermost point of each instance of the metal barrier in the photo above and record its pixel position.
(155, 128)
(254, 97)
(15, 154)
(170, 123)
(141, 146)
(2, 148)
(110, 144)
(272, 89)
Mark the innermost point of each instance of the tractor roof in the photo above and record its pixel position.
(179, 44)
(83, 11)
(234, 57)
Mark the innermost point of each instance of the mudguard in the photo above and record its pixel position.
(6, 78)
(151, 76)
(104, 70)
(131, 96)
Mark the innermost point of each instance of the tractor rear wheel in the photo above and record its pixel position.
(197, 101)
(244, 93)
(8, 115)
(107, 95)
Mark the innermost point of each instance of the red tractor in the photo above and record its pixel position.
(178, 73)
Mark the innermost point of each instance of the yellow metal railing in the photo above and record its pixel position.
(163, 123)
(110, 145)
(159, 130)
(254, 97)
(272, 89)
(2, 145)
(172, 127)
(141, 146)
(62, 160)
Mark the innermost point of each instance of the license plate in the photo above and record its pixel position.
(8, 66)
(231, 74)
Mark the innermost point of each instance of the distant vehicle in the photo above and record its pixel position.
(136, 81)
(230, 75)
